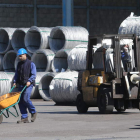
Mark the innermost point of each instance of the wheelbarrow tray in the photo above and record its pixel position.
(9, 99)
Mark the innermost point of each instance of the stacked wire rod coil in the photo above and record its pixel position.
(35, 92)
(37, 38)
(60, 63)
(67, 37)
(5, 39)
(9, 61)
(63, 87)
(44, 85)
(131, 25)
(18, 38)
(77, 58)
(43, 59)
(5, 83)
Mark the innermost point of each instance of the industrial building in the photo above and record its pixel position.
(97, 16)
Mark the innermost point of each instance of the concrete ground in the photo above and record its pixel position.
(63, 122)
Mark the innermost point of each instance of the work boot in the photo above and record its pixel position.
(33, 116)
(25, 120)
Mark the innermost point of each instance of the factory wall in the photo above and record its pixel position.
(98, 16)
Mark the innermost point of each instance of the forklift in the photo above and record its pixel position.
(111, 79)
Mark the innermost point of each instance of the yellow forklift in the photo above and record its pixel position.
(112, 76)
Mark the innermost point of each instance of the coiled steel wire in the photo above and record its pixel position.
(9, 61)
(63, 87)
(67, 37)
(5, 39)
(131, 25)
(77, 58)
(43, 59)
(35, 92)
(44, 85)
(5, 84)
(37, 38)
(59, 63)
(18, 36)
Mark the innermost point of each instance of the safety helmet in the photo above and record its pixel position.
(21, 51)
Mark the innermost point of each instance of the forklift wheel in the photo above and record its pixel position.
(1, 119)
(81, 105)
(105, 102)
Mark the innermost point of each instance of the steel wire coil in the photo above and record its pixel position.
(18, 36)
(44, 85)
(35, 92)
(5, 39)
(131, 25)
(5, 84)
(37, 38)
(9, 60)
(59, 63)
(43, 59)
(67, 37)
(63, 87)
(77, 58)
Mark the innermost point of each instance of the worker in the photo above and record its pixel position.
(25, 76)
(126, 58)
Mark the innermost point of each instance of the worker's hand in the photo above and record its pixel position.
(14, 85)
(28, 84)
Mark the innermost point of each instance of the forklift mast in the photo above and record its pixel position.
(118, 71)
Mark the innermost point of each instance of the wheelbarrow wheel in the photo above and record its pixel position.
(1, 119)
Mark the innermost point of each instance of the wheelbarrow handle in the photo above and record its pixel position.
(12, 89)
(23, 89)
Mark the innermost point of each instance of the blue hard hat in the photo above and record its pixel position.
(21, 51)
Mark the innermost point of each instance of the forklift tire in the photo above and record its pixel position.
(1, 119)
(80, 104)
(104, 100)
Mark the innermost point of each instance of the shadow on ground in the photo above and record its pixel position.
(88, 113)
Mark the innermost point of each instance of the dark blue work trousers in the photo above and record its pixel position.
(25, 101)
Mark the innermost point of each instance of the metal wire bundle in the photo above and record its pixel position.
(43, 59)
(37, 38)
(17, 40)
(63, 87)
(35, 92)
(9, 60)
(131, 25)
(77, 58)
(5, 39)
(59, 63)
(67, 37)
(44, 85)
(5, 84)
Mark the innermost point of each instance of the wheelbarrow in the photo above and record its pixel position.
(9, 100)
